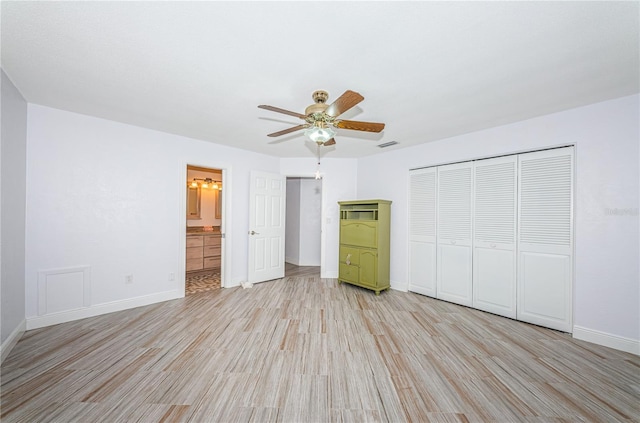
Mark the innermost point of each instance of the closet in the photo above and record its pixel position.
(496, 234)
(453, 245)
(494, 239)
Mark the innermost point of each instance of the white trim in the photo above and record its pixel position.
(512, 153)
(301, 263)
(225, 228)
(43, 279)
(324, 274)
(225, 224)
(99, 309)
(399, 286)
(12, 340)
(607, 340)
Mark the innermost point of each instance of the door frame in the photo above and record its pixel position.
(225, 224)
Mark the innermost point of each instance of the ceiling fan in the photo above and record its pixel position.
(320, 117)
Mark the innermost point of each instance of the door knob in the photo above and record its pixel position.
(254, 233)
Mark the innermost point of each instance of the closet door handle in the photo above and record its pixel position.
(254, 233)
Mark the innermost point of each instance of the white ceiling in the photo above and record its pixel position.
(429, 70)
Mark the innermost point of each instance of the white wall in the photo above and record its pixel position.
(339, 178)
(292, 224)
(13, 115)
(90, 204)
(607, 246)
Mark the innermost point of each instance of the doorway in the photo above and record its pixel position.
(204, 223)
(303, 230)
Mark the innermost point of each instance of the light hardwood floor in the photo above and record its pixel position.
(305, 349)
(292, 270)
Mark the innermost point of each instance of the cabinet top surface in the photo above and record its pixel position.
(364, 202)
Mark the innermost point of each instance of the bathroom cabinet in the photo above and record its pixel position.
(203, 251)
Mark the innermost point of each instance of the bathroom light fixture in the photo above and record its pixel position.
(206, 183)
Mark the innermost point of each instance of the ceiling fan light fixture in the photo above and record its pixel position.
(319, 134)
(320, 118)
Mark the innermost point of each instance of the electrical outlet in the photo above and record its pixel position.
(172, 276)
(128, 280)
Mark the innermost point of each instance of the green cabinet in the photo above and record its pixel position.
(364, 244)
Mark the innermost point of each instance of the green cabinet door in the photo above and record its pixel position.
(349, 273)
(369, 268)
(362, 234)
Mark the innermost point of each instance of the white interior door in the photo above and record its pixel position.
(545, 247)
(494, 241)
(454, 237)
(422, 231)
(266, 226)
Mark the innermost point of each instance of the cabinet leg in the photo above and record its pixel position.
(377, 293)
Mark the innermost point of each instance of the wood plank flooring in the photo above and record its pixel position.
(300, 271)
(305, 349)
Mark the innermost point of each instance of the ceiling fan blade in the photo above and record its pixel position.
(343, 103)
(359, 126)
(279, 110)
(286, 131)
(330, 142)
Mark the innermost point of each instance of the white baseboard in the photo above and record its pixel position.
(12, 340)
(399, 286)
(99, 309)
(607, 340)
(300, 263)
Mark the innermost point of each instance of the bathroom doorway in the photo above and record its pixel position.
(204, 223)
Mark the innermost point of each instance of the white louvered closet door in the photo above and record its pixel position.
(545, 249)
(454, 237)
(422, 231)
(494, 241)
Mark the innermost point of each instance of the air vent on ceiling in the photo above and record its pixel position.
(387, 144)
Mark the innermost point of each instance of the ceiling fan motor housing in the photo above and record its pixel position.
(320, 98)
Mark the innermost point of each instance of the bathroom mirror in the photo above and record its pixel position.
(193, 202)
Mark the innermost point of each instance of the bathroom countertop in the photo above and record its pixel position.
(200, 231)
